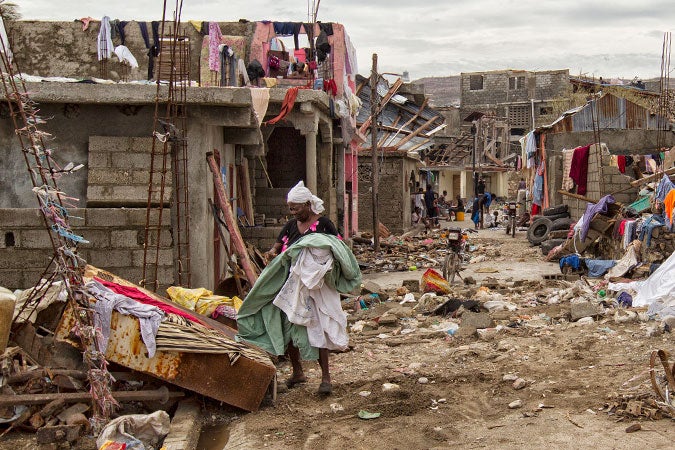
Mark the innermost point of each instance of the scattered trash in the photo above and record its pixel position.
(366, 415)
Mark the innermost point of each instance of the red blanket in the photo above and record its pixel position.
(579, 168)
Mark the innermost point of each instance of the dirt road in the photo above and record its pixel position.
(456, 390)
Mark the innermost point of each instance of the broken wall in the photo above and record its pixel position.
(62, 49)
(393, 192)
(603, 179)
(115, 238)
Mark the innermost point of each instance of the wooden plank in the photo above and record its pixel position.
(245, 190)
(231, 221)
(415, 133)
(670, 171)
(161, 394)
(382, 104)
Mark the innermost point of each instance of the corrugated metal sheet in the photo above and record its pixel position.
(610, 112)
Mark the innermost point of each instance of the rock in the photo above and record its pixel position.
(654, 330)
(476, 320)
(633, 428)
(364, 393)
(469, 280)
(415, 366)
(59, 433)
(668, 323)
(519, 384)
(586, 321)
(581, 310)
(625, 316)
(411, 285)
(370, 325)
(336, 407)
(401, 311)
(516, 404)
(390, 387)
(388, 320)
(510, 377)
(422, 380)
(370, 287)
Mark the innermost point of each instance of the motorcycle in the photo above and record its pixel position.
(454, 260)
(511, 213)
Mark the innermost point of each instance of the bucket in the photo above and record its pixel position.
(459, 216)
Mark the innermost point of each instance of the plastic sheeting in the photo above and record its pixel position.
(659, 288)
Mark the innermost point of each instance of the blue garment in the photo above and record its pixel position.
(598, 267)
(488, 199)
(665, 186)
(572, 260)
(538, 190)
(655, 221)
(625, 299)
(475, 214)
(591, 210)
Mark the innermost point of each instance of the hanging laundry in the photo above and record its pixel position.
(214, 41)
(286, 106)
(105, 45)
(591, 210)
(668, 204)
(567, 183)
(124, 55)
(579, 168)
(120, 30)
(621, 163)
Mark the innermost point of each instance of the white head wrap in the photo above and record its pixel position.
(300, 194)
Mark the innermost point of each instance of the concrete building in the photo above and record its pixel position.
(524, 98)
(108, 126)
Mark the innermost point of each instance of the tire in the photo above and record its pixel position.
(513, 227)
(549, 244)
(450, 266)
(564, 215)
(538, 231)
(555, 210)
(558, 234)
(508, 227)
(563, 223)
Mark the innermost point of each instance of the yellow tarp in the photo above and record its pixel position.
(201, 300)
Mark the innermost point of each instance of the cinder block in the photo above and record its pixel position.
(126, 238)
(98, 160)
(18, 259)
(131, 161)
(109, 176)
(106, 217)
(140, 144)
(165, 257)
(97, 238)
(39, 238)
(23, 217)
(111, 258)
(11, 279)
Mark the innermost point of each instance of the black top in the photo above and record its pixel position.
(290, 233)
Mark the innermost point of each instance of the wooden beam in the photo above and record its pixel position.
(415, 133)
(653, 177)
(231, 221)
(382, 104)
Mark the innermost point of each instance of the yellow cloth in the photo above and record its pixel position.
(201, 300)
(270, 82)
(197, 24)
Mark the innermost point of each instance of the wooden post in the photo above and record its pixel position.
(231, 221)
(373, 138)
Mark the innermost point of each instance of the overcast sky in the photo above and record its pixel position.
(610, 38)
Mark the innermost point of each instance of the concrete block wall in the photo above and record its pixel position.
(272, 202)
(392, 203)
(603, 179)
(261, 237)
(116, 238)
(119, 172)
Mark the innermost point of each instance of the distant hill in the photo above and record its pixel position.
(442, 91)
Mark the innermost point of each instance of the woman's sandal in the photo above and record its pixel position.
(325, 388)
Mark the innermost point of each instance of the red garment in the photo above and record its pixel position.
(535, 210)
(330, 87)
(136, 294)
(286, 106)
(621, 162)
(579, 168)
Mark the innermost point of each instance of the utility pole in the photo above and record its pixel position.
(374, 101)
(474, 130)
